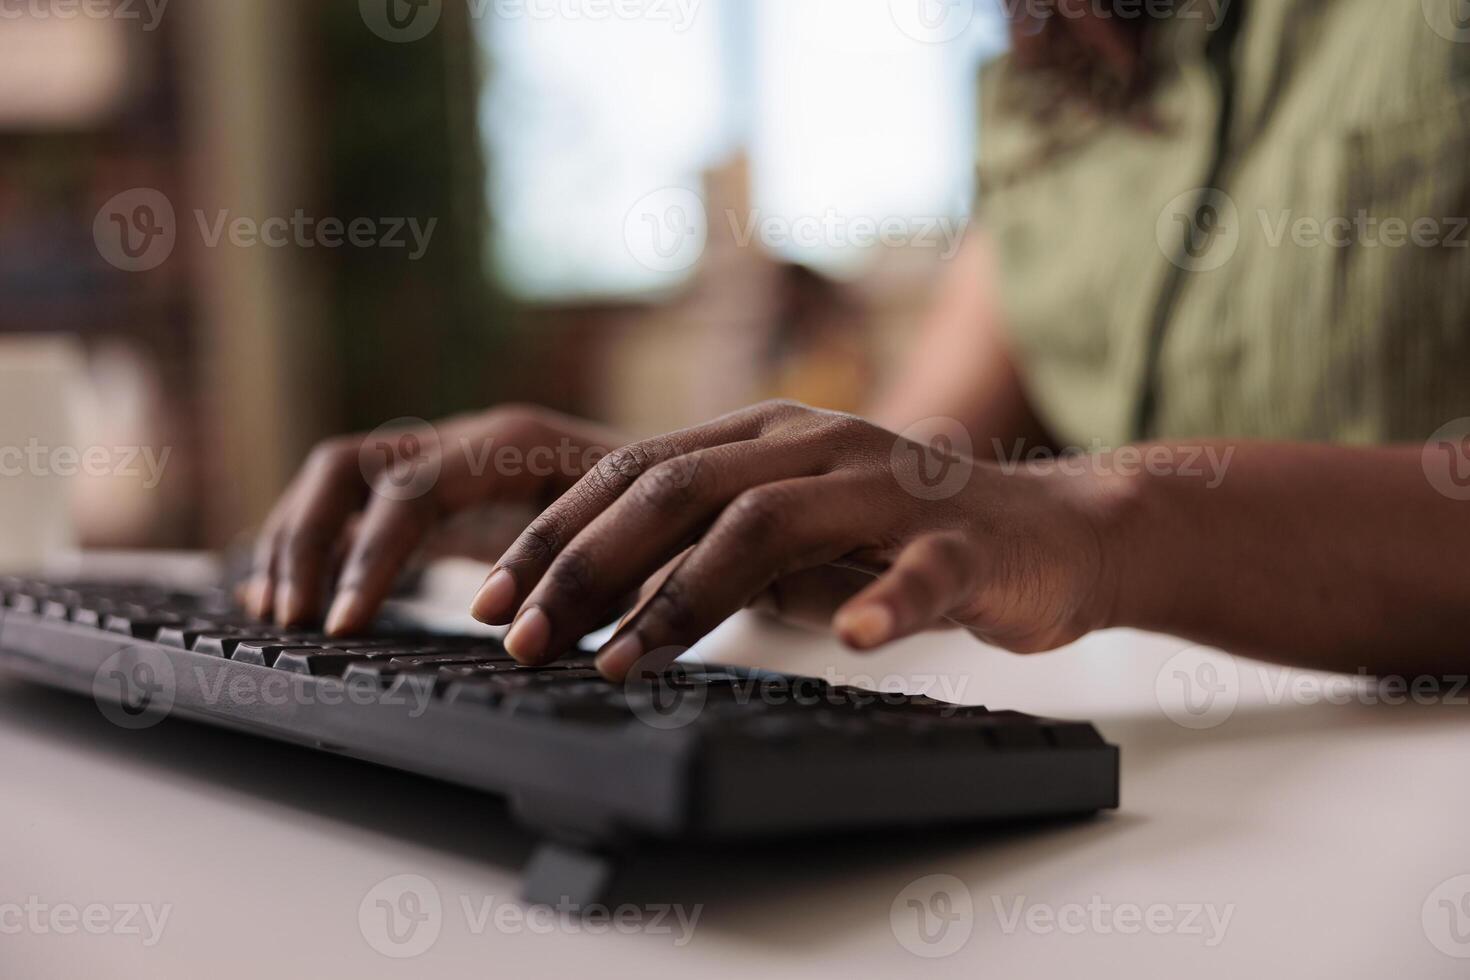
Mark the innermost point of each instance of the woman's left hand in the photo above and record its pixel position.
(781, 496)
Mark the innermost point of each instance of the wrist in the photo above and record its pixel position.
(1123, 511)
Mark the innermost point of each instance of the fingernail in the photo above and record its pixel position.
(620, 656)
(495, 599)
(346, 610)
(286, 611)
(255, 596)
(866, 627)
(527, 639)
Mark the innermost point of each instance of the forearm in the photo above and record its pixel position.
(1324, 557)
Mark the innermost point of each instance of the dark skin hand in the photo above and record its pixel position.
(1327, 557)
(1270, 555)
(821, 515)
(362, 505)
(781, 497)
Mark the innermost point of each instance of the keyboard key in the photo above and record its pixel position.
(326, 663)
(265, 654)
(26, 602)
(378, 670)
(433, 661)
(185, 637)
(142, 626)
(223, 644)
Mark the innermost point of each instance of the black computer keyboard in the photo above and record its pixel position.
(697, 753)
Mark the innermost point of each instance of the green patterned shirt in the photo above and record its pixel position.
(1282, 250)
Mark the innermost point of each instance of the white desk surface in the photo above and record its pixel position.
(1326, 832)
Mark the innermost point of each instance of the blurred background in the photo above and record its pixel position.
(229, 228)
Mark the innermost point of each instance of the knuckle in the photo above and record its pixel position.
(784, 406)
(780, 411)
(620, 469)
(844, 428)
(761, 514)
(671, 484)
(334, 454)
(541, 539)
(571, 576)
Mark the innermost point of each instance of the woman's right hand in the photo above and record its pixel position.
(369, 501)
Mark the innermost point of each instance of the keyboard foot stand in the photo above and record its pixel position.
(568, 876)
